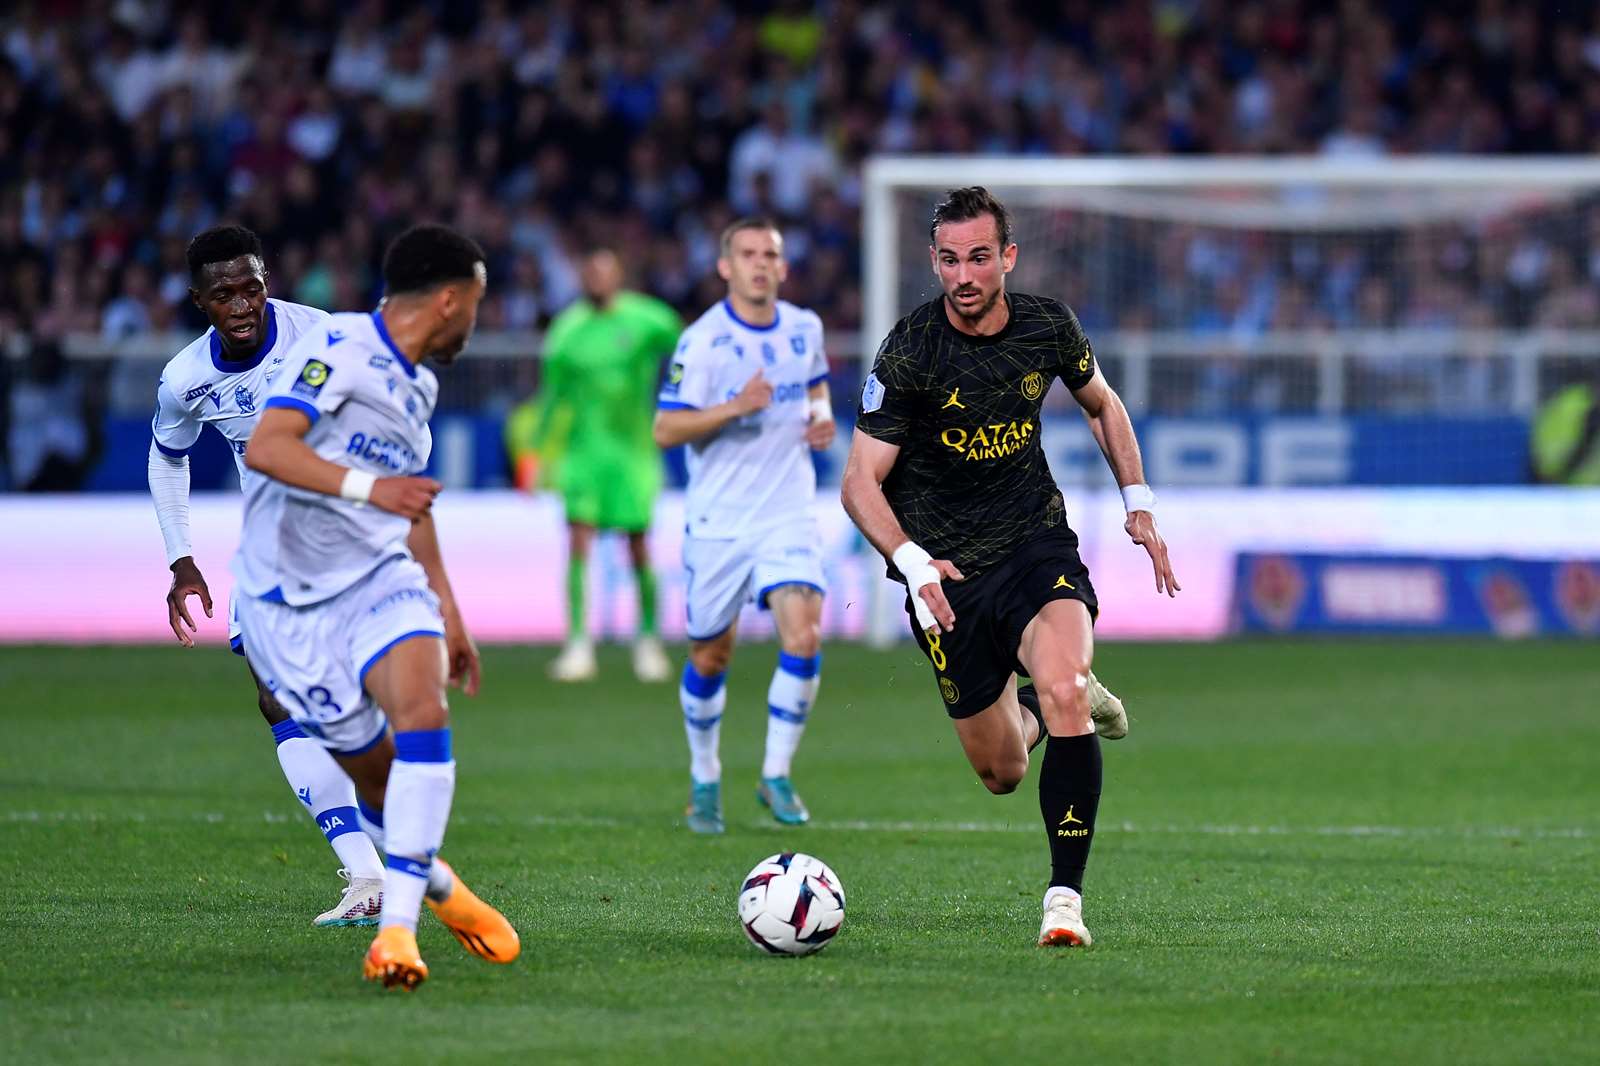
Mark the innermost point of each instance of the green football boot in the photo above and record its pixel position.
(778, 795)
(704, 813)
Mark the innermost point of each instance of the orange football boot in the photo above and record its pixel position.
(393, 959)
(481, 929)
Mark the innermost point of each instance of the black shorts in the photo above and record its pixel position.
(974, 662)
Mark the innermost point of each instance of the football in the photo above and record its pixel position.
(791, 904)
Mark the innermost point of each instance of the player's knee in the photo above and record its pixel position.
(421, 712)
(1064, 702)
(711, 658)
(803, 640)
(1002, 778)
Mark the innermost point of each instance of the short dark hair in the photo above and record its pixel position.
(220, 244)
(739, 225)
(962, 205)
(427, 256)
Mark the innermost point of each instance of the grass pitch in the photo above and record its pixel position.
(1308, 852)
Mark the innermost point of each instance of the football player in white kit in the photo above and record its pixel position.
(347, 611)
(221, 379)
(747, 390)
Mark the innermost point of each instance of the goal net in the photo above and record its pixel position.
(1287, 322)
(1429, 305)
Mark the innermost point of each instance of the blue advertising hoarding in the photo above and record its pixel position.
(1355, 593)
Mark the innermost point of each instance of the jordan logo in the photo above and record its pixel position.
(954, 401)
(1069, 819)
(1063, 583)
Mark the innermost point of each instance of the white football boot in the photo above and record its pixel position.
(1106, 711)
(361, 903)
(1063, 921)
(650, 663)
(576, 661)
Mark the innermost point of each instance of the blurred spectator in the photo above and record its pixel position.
(48, 438)
(549, 127)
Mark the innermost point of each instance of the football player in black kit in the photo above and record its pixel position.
(947, 478)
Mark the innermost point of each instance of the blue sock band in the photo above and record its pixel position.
(800, 667)
(423, 745)
(286, 730)
(337, 821)
(414, 867)
(782, 715)
(373, 817)
(701, 687)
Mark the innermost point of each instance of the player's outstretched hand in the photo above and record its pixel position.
(755, 396)
(466, 669)
(1141, 526)
(186, 581)
(411, 497)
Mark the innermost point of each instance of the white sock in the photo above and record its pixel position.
(416, 808)
(1061, 890)
(703, 699)
(789, 699)
(371, 824)
(328, 795)
(440, 882)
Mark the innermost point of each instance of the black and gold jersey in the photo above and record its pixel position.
(971, 483)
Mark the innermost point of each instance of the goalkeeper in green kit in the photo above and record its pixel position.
(591, 430)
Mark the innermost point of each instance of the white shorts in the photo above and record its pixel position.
(724, 575)
(235, 630)
(315, 659)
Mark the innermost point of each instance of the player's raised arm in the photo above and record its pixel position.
(1113, 431)
(679, 423)
(278, 450)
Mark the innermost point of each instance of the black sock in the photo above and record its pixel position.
(1028, 696)
(1069, 796)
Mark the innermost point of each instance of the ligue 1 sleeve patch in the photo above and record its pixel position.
(872, 391)
(674, 378)
(312, 377)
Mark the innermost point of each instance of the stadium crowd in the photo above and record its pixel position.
(127, 125)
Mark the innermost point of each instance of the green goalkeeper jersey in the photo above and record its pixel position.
(600, 374)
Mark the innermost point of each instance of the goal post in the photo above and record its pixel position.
(1371, 321)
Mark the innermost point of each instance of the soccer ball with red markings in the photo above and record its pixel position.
(791, 904)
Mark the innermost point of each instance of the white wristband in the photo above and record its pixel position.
(1138, 498)
(916, 566)
(357, 486)
(821, 409)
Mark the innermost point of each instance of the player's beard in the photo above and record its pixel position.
(975, 316)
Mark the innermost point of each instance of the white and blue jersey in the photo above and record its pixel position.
(369, 409)
(751, 485)
(756, 472)
(199, 387)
